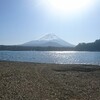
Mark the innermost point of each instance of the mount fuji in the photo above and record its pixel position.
(49, 40)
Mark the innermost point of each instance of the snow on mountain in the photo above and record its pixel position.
(49, 37)
(49, 40)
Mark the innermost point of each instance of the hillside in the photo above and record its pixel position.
(94, 46)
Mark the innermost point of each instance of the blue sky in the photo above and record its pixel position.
(26, 20)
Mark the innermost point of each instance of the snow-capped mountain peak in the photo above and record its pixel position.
(49, 37)
(49, 40)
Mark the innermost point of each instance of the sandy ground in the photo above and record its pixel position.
(31, 81)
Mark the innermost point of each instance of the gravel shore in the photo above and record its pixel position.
(33, 81)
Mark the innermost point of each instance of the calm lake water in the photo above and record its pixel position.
(58, 57)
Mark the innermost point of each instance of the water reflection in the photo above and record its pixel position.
(59, 57)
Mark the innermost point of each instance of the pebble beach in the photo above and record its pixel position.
(35, 81)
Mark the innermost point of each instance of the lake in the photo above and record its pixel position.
(58, 57)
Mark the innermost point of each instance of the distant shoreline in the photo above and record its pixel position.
(93, 46)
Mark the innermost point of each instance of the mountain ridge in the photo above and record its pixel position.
(92, 46)
(49, 40)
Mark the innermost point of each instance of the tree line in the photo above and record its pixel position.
(31, 48)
